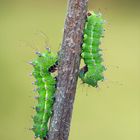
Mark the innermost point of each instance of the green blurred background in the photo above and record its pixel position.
(110, 112)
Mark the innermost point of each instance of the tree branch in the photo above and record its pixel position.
(69, 62)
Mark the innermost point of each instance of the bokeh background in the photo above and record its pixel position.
(110, 112)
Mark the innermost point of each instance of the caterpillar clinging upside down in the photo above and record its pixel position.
(45, 64)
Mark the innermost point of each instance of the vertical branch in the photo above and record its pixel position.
(69, 61)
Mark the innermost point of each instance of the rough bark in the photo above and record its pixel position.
(69, 62)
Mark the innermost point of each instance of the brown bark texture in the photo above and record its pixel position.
(68, 69)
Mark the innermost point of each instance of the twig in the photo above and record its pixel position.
(69, 61)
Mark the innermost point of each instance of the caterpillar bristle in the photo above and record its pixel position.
(48, 49)
(32, 129)
(30, 63)
(38, 53)
(30, 74)
(33, 107)
(36, 97)
(35, 90)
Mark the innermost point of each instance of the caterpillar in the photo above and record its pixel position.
(91, 73)
(46, 64)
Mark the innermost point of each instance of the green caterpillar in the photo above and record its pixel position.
(46, 64)
(91, 73)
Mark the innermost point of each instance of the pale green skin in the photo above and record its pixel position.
(46, 82)
(46, 89)
(91, 52)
